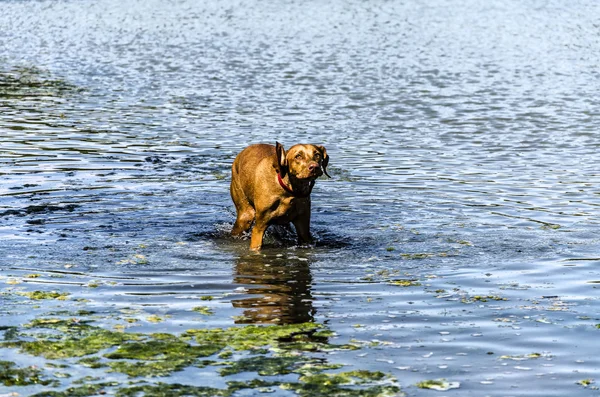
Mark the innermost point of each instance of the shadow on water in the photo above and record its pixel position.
(278, 279)
(281, 289)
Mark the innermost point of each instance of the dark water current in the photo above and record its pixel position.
(464, 145)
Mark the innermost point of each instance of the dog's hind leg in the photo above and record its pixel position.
(245, 211)
(244, 220)
(258, 232)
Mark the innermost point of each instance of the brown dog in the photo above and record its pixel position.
(272, 186)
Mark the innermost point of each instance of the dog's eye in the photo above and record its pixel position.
(317, 156)
(298, 156)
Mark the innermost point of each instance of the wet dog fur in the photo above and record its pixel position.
(270, 185)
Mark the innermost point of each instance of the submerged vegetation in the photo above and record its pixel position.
(39, 295)
(267, 351)
(11, 375)
(27, 82)
(405, 283)
(483, 298)
(438, 384)
(204, 310)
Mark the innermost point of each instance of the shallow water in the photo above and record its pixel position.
(463, 146)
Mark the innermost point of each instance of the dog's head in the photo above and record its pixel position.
(302, 161)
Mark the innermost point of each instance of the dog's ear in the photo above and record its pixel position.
(282, 163)
(325, 161)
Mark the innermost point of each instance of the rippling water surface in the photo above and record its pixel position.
(464, 155)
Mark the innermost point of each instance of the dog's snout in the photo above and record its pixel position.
(312, 166)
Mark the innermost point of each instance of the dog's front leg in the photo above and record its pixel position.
(302, 225)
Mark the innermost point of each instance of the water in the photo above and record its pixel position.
(463, 146)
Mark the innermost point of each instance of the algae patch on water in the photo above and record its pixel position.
(438, 384)
(27, 82)
(272, 351)
(483, 298)
(172, 390)
(39, 295)
(204, 310)
(271, 366)
(405, 283)
(414, 256)
(92, 389)
(11, 375)
(585, 382)
(157, 357)
(531, 356)
(74, 339)
(344, 384)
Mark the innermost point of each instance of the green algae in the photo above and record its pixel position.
(172, 390)
(326, 333)
(164, 356)
(429, 384)
(149, 369)
(10, 375)
(40, 295)
(550, 226)
(345, 384)
(26, 82)
(206, 363)
(316, 367)
(405, 283)
(585, 382)
(252, 336)
(162, 350)
(78, 313)
(56, 349)
(274, 350)
(55, 365)
(326, 384)
(234, 386)
(438, 384)
(523, 357)
(91, 362)
(343, 378)
(86, 380)
(483, 298)
(265, 366)
(71, 325)
(204, 310)
(416, 256)
(10, 332)
(225, 354)
(319, 390)
(160, 354)
(76, 339)
(78, 391)
(155, 319)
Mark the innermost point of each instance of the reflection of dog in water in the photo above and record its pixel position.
(272, 186)
(283, 294)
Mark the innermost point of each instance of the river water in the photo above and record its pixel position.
(464, 156)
